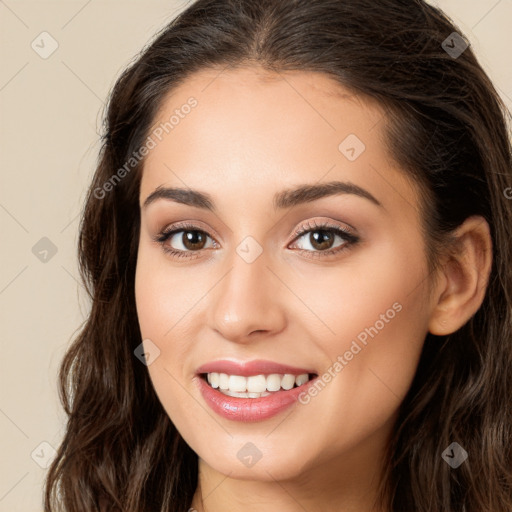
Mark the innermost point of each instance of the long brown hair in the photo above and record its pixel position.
(445, 126)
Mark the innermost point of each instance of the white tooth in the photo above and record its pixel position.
(243, 395)
(256, 383)
(288, 381)
(258, 395)
(301, 379)
(214, 379)
(237, 383)
(274, 382)
(237, 394)
(223, 381)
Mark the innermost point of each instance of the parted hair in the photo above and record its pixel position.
(447, 129)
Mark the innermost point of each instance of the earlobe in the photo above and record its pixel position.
(465, 277)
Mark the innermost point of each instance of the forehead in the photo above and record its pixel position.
(249, 91)
(251, 128)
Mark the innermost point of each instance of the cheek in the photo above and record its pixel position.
(365, 291)
(165, 300)
(163, 296)
(156, 312)
(377, 320)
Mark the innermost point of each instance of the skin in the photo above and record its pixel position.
(252, 135)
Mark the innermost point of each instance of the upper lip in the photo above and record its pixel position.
(248, 368)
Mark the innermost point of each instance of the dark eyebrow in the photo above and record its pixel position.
(284, 199)
(181, 195)
(307, 193)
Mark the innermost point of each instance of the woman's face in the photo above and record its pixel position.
(244, 286)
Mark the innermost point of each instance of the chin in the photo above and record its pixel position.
(268, 463)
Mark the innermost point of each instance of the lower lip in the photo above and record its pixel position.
(250, 409)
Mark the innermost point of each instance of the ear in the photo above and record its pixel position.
(464, 277)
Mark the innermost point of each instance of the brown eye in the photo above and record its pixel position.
(193, 240)
(183, 240)
(321, 239)
(190, 240)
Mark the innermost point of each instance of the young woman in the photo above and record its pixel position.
(297, 248)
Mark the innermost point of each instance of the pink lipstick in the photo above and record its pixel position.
(252, 390)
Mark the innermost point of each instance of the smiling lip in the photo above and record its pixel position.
(248, 368)
(250, 409)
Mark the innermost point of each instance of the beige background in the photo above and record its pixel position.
(50, 112)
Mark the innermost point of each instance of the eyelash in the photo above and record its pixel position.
(342, 232)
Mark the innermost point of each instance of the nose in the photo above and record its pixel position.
(248, 301)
